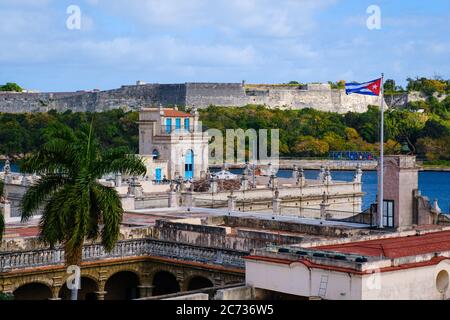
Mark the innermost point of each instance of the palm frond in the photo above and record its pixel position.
(40, 192)
(120, 160)
(112, 213)
(53, 220)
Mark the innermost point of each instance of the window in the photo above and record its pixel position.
(186, 123)
(158, 174)
(388, 213)
(168, 126)
(155, 154)
(178, 123)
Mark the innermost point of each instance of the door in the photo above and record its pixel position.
(187, 124)
(158, 174)
(178, 123)
(189, 165)
(168, 126)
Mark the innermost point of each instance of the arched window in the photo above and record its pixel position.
(155, 154)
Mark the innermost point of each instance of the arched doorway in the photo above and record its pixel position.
(86, 292)
(122, 286)
(189, 165)
(33, 291)
(197, 283)
(165, 283)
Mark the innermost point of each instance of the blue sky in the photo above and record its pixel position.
(260, 41)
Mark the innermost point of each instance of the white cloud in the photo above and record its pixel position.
(251, 17)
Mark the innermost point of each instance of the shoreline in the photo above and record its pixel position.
(334, 165)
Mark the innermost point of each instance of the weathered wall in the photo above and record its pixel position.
(219, 236)
(317, 96)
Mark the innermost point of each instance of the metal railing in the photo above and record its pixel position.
(129, 248)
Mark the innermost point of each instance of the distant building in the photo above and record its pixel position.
(172, 143)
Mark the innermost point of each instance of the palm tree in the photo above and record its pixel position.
(75, 206)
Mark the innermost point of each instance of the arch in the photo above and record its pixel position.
(165, 282)
(33, 291)
(199, 282)
(88, 290)
(123, 285)
(156, 154)
(189, 165)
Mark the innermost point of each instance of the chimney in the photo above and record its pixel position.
(401, 179)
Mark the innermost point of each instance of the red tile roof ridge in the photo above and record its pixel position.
(396, 247)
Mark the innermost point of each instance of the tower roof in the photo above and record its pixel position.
(176, 113)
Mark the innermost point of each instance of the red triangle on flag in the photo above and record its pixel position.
(375, 87)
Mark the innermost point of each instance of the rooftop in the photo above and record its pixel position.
(175, 113)
(396, 247)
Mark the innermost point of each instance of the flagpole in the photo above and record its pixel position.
(381, 163)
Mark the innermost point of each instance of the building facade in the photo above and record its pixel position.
(172, 144)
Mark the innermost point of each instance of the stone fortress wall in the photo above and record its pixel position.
(201, 95)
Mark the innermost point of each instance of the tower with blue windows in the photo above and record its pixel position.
(173, 144)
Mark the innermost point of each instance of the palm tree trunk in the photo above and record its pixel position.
(73, 257)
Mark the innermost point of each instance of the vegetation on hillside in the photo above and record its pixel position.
(23, 133)
(12, 87)
(424, 126)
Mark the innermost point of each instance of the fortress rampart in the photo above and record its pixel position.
(201, 95)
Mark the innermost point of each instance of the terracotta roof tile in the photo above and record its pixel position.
(175, 113)
(396, 247)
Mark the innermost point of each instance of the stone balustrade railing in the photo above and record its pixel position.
(129, 248)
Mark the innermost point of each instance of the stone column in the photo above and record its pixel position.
(55, 293)
(135, 188)
(100, 295)
(231, 202)
(321, 175)
(327, 179)
(276, 206)
(301, 180)
(146, 291)
(213, 185)
(324, 207)
(295, 173)
(6, 210)
(273, 182)
(276, 203)
(244, 182)
(118, 180)
(357, 178)
(188, 199)
(173, 199)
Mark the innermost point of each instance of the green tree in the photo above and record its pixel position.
(389, 85)
(310, 146)
(10, 86)
(75, 205)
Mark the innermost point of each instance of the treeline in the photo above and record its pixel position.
(423, 128)
(23, 133)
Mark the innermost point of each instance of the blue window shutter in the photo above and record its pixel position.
(168, 125)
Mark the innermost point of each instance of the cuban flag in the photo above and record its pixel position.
(371, 88)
